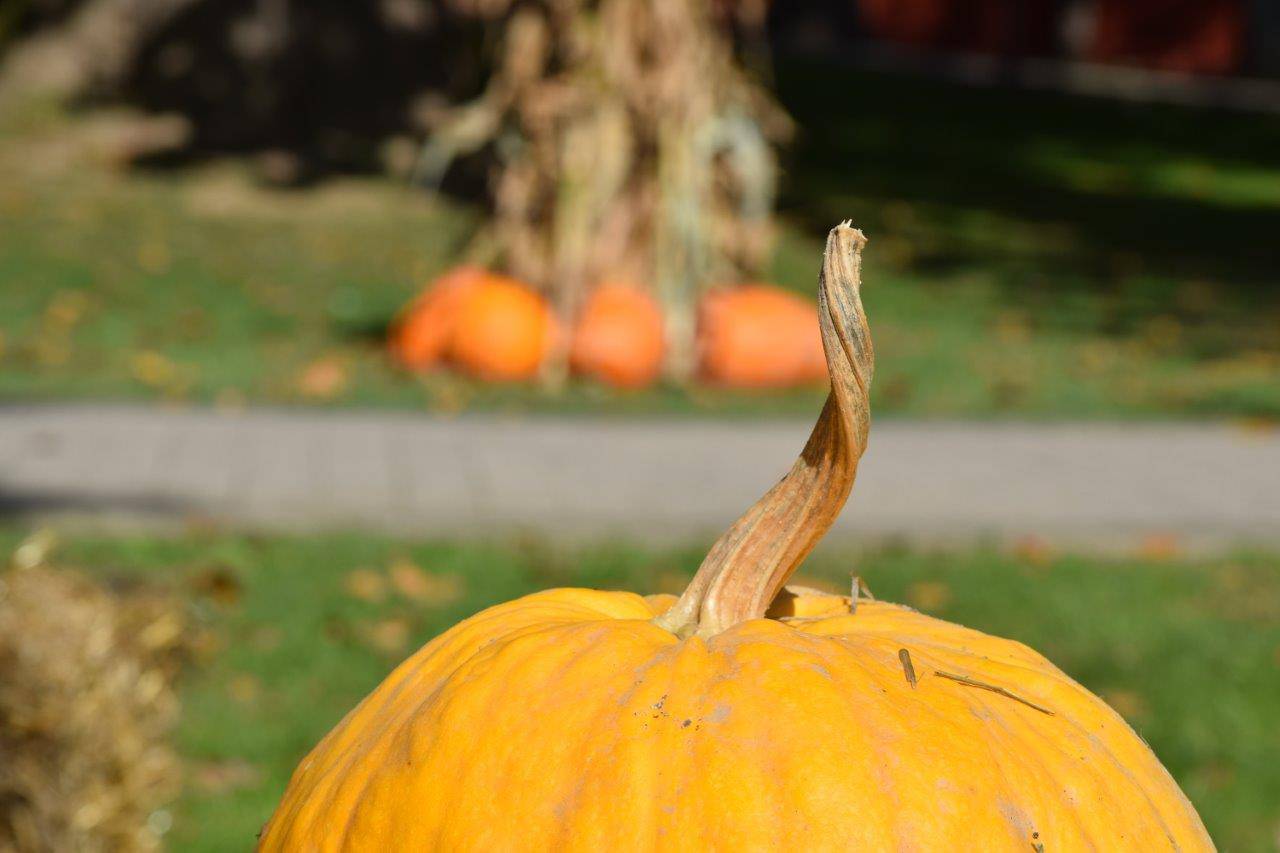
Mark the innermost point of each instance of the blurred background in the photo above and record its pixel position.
(324, 325)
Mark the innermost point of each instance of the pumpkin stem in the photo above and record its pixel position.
(750, 562)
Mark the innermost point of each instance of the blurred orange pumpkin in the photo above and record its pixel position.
(619, 337)
(502, 332)
(423, 332)
(759, 336)
(491, 326)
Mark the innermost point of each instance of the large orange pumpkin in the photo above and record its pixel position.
(758, 336)
(619, 337)
(502, 332)
(583, 720)
(423, 332)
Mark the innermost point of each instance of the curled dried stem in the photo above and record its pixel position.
(750, 562)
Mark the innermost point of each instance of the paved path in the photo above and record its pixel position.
(1093, 484)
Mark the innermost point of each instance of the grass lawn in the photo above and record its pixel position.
(1031, 255)
(1188, 651)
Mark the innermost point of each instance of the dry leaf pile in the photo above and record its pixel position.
(86, 706)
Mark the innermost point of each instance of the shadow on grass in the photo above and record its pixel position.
(1044, 193)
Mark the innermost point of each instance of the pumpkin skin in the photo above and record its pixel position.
(566, 720)
(759, 336)
(424, 331)
(619, 337)
(502, 332)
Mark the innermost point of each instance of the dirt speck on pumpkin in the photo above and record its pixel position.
(719, 714)
(1015, 816)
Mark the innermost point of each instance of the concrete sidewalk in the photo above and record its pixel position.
(1085, 485)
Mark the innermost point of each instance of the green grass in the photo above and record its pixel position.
(1032, 255)
(1188, 650)
(1043, 254)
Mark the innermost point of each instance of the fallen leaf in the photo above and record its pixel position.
(219, 584)
(279, 167)
(447, 396)
(1162, 333)
(425, 588)
(1127, 703)
(162, 632)
(1257, 427)
(1012, 327)
(52, 349)
(66, 309)
(928, 595)
(337, 629)
(153, 369)
(153, 257)
(1214, 775)
(1033, 549)
(244, 689)
(1160, 547)
(1096, 356)
(266, 638)
(193, 324)
(409, 580)
(34, 551)
(386, 635)
(230, 401)
(205, 645)
(365, 584)
(897, 390)
(324, 378)
(221, 777)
